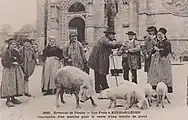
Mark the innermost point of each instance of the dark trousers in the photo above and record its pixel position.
(126, 74)
(100, 82)
(86, 69)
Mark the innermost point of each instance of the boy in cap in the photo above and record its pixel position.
(29, 62)
(74, 52)
(130, 56)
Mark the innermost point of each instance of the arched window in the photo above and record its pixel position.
(76, 7)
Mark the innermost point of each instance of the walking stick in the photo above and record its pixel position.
(114, 69)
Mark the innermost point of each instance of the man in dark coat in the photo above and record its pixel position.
(148, 46)
(99, 59)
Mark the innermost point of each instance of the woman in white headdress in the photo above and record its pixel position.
(51, 56)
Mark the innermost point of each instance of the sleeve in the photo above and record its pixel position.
(60, 53)
(44, 54)
(20, 58)
(82, 52)
(166, 49)
(6, 60)
(34, 56)
(112, 44)
(21, 52)
(65, 51)
(144, 48)
(136, 48)
(121, 50)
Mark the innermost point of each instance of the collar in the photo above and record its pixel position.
(52, 45)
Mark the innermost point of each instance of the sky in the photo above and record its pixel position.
(18, 13)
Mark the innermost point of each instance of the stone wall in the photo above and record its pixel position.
(148, 12)
(156, 14)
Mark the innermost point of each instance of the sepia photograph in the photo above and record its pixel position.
(93, 59)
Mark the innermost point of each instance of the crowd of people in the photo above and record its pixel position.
(19, 62)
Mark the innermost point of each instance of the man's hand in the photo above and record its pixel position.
(69, 60)
(15, 63)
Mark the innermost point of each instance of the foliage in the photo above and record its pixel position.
(24, 33)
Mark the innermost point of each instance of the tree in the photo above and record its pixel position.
(6, 29)
(24, 33)
(27, 29)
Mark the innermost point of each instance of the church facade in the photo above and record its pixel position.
(88, 18)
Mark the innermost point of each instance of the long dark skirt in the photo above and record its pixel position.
(12, 82)
(160, 70)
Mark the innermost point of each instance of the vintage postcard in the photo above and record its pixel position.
(94, 59)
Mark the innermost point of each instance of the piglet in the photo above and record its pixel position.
(161, 93)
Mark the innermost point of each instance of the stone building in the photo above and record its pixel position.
(88, 19)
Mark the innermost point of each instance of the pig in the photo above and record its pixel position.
(161, 93)
(113, 94)
(128, 91)
(74, 81)
(139, 95)
(148, 92)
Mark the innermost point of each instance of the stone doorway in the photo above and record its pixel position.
(77, 24)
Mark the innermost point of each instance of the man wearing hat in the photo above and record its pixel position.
(99, 59)
(130, 52)
(150, 40)
(29, 58)
(74, 52)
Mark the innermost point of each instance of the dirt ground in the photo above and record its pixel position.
(35, 106)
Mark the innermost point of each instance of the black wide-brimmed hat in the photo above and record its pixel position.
(151, 28)
(10, 41)
(110, 31)
(162, 30)
(130, 33)
(27, 40)
(72, 34)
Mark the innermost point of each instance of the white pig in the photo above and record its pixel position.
(148, 92)
(128, 91)
(161, 93)
(74, 81)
